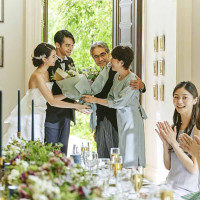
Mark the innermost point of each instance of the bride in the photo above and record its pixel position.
(40, 91)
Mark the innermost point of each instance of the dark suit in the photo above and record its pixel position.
(57, 123)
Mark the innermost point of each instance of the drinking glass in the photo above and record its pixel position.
(166, 191)
(166, 195)
(103, 163)
(117, 163)
(124, 182)
(114, 152)
(91, 158)
(104, 172)
(83, 150)
(137, 180)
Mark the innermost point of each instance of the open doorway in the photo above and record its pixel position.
(96, 20)
(116, 22)
(88, 21)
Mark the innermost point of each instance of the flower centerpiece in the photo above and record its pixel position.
(41, 171)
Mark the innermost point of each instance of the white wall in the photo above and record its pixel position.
(22, 32)
(179, 21)
(159, 18)
(12, 73)
(196, 44)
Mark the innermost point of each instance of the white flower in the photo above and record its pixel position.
(14, 149)
(13, 175)
(85, 73)
(39, 197)
(23, 163)
(45, 187)
(51, 154)
(4, 152)
(74, 73)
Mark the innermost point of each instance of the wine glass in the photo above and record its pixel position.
(83, 150)
(91, 158)
(117, 163)
(114, 152)
(137, 180)
(124, 182)
(104, 172)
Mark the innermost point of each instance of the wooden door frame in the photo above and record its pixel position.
(136, 31)
(138, 48)
(45, 21)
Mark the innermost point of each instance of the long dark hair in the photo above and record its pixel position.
(198, 117)
(190, 87)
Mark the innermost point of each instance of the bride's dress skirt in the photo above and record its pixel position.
(26, 117)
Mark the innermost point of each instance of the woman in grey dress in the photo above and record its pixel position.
(130, 114)
(183, 168)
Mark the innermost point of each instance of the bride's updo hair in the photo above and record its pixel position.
(43, 50)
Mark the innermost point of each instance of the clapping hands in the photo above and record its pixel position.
(192, 146)
(166, 133)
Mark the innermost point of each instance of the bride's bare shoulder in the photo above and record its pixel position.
(34, 78)
(36, 75)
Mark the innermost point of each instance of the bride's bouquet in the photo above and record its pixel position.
(75, 83)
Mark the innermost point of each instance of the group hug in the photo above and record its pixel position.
(119, 115)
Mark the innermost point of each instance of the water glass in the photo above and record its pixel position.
(104, 171)
(91, 158)
(103, 163)
(166, 191)
(124, 182)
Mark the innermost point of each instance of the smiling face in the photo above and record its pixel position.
(183, 101)
(52, 58)
(100, 56)
(116, 64)
(66, 48)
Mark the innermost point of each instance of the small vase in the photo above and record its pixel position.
(12, 191)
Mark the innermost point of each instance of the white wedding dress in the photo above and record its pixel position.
(26, 117)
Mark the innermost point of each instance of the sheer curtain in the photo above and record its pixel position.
(32, 34)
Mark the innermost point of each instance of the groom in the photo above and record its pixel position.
(57, 124)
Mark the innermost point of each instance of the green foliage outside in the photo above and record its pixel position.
(88, 21)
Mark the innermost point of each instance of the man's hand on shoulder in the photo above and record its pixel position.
(137, 84)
